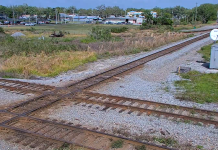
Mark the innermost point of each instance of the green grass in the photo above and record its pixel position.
(199, 87)
(200, 147)
(205, 51)
(166, 141)
(117, 144)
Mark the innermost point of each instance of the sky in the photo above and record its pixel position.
(147, 4)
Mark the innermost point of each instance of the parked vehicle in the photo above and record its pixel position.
(1, 23)
(41, 22)
(6, 22)
(29, 24)
(22, 23)
(109, 23)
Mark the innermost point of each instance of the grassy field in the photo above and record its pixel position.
(71, 28)
(199, 87)
(29, 55)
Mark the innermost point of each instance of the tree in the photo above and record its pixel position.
(148, 16)
(101, 10)
(207, 12)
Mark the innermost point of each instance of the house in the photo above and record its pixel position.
(134, 13)
(133, 20)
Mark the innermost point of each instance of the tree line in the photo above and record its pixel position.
(203, 13)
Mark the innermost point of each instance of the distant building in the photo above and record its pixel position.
(133, 20)
(134, 13)
(154, 14)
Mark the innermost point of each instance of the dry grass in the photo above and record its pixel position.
(47, 65)
(132, 42)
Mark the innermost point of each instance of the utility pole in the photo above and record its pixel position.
(73, 15)
(196, 13)
(65, 15)
(36, 18)
(13, 14)
(56, 16)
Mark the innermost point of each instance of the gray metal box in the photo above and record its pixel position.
(214, 57)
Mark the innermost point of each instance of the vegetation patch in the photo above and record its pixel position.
(47, 65)
(205, 51)
(117, 144)
(198, 87)
(166, 141)
(119, 30)
(26, 46)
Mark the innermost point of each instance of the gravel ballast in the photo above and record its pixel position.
(8, 98)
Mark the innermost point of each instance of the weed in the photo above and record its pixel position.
(166, 141)
(200, 147)
(140, 147)
(193, 112)
(117, 144)
(187, 121)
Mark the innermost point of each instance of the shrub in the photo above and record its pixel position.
(119, 30)
(101, 34)
(145, 26)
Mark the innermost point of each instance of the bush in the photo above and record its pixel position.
(2, 30)
(119, 30)
(145, 26)
(103, 34)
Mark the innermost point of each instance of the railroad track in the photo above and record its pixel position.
(24, 87)
(129, 105)
(18, 114)
(67, 133)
